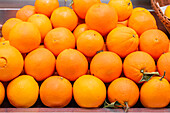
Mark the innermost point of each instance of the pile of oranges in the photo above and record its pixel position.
(75, 52)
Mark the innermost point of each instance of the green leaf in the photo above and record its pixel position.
(111, 105)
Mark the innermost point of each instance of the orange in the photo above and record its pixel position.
(167, 11)
(59, 39)
(25, 12)
(27, 40)
(79, 29)
(56, 91)
(8, 25)
(2, 93)
(169, 47)
(124, 91)
(163, 64)
(140, 9)
(89, 42)
(125, 22)
(142, 21)
(106, 65)
(154, 42)
(40, 63)
(155, 93)
(102, 18)
(64, 17)
(120, 25)
(2, 39)
(123, 8)
(81, 6)
(88, 87)
(137, 64)
(42, 22)
(46, 7)
(11, 62)
(71, 64)
(23, 91)
(122, 40)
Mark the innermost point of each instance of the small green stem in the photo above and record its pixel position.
(163, 76)
(151, 73)
(71, 3)
(127, 107)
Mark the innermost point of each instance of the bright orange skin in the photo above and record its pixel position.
(163, 64)
(71, 64)
(169, 48)
(137, 61)
(123, 41)
(8, 25)
(80, 29)
(123, 90)
(27, 40)
(42, 22)
(56, 91)
(64, 17)
(140, 9)
(2, 39)
(102, 18)
(142, 21)
(11, 63)
(25, 12)
(6, 42)
(81, 6)
(89, 42)
(88, 87)
(40, 63)
(123, 8)
(154, 42)
(46, 7)
(59, 39)
(155, 93)
(125, 22)
(2, 93)
(107, 66)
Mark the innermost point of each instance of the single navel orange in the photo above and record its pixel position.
(89, 91)
(81, 6)
(59, 39)
(102, 18)
(23, 91)
(56, 91)
(8, 25)
(40, 63)
(2, 93)
(123, 41)
(64, 17)
(89, 42)
(106, 65)
(25, 12)
(11, 62)
(27, 40)
(154, 42)
(46, 7)
(71, 64)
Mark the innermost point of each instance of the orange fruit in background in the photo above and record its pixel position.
(136, 63)
(120, 25)
(59, 39)
(107, 66)
(40, 64)
(122, 40)
(23, 91)
(11, 62)
(163, 64)
(42, 22)
(154, 42)
(125, 22)
(25, 12)
(27, 40)
(46, 7)
(6, 42)
(102, 18)
(81, 6)
(71, 64)
(140, 9)
(56, 91)
(2, 39)
(142, 21)
(123, 90)
(89, 42)
(2, 93)
(123, 8)
(88, 87)
(155, 93)
(79, 29)
(64, 17)
(8, 25)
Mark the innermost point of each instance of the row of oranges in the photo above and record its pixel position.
(109, 34)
